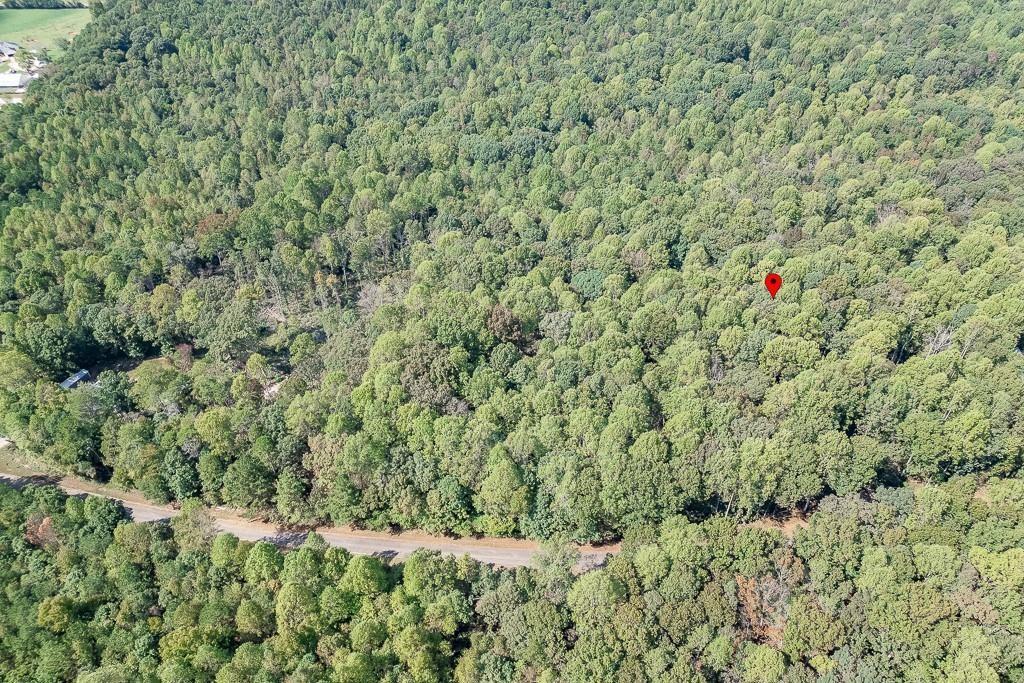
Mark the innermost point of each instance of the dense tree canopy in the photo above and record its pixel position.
(911, 585)
(497, 267)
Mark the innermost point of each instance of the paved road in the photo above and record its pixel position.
(504, 552)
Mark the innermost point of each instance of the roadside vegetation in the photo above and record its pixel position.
(919, 585)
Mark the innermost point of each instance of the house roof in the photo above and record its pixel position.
(74, 379)
(14, 80)
(8, 48)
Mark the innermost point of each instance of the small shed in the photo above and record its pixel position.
(74, 379)
(8, 49)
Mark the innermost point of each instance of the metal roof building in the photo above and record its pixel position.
(74, 379)
(14, 82)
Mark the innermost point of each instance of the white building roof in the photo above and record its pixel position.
(14, 80)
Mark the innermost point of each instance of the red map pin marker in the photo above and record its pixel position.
(773, 282)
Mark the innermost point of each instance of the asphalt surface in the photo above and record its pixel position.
(503, 552)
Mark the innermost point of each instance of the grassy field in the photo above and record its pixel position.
(41, 28)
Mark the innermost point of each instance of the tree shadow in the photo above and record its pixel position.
(386, 556)
(590, 562)
(31, 480)
(289, 540)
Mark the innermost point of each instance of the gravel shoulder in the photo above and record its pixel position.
(503, 552)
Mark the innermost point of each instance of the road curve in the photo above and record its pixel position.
(502, 552)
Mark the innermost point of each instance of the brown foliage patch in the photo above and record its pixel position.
(39, 531)
(215, 221)
(504, 325)
(762, 608)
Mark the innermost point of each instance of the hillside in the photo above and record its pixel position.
(497, 269)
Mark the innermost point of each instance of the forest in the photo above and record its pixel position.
(921, 584)
(496, 268)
